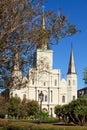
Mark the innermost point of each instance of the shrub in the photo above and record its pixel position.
(19, 126)
(4, 122)
(43, 127)
(50, 120)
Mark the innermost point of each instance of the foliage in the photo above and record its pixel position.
(16, 19)
(32, 126)
(49, 120)
(21, 30)
(45, 115)
(14, 107)
(80, 110)
(3, 106)
(23, 109)
(58, 110)
(4, 122)
(75, 111)
(32, 108)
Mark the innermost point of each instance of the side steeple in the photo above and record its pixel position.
(16, 76)
(71, 79)
(71, 67)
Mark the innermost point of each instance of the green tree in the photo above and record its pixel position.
(70, 112)
(58, 111)
(3, 105)
(75, 111)
(14, 107)
(23, 109)
(32, 108)
(80, 110)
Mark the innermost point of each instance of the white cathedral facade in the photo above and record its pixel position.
(48, 80)
(43, 77)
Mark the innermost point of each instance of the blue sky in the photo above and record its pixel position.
(75, 10)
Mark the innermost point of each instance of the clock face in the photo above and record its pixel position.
(44, 77)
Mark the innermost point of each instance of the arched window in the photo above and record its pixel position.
(33, 81)
(73, 82)
(51, 96)
(44, 83)
(51, 110)
(55, 82)
(69, 82)
(63, 99)
(38, 94)
(73, 97)
(45, 109)
(45, 98)
(16, 95)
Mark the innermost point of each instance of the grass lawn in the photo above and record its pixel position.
(26, 125)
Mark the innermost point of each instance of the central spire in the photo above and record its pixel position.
(43, 20)
(44, 39)
(43, 34)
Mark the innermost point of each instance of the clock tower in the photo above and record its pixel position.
(44, 59)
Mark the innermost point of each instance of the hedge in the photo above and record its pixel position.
(34, 126)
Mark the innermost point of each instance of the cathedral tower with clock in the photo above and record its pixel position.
(42, 77)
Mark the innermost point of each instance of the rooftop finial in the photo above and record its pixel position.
(43, 19)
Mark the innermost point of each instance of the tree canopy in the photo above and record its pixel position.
(75, 111)
(18, 108)
(14, 106)
(21, 31)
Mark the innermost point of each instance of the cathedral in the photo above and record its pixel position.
(44, 78)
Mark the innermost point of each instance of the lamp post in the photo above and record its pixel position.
(41, 95)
